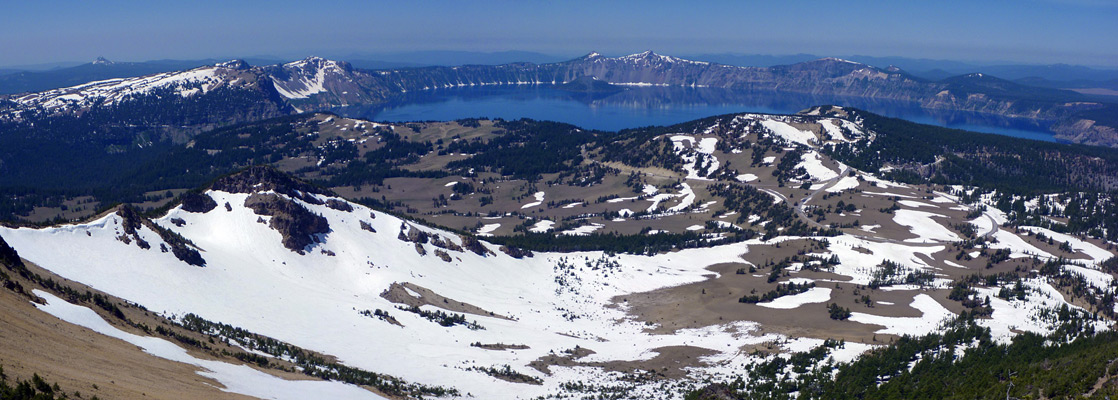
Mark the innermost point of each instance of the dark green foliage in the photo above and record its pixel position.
(838, 312)
(784, 289)
(988, 161)
(1065, 365)
(612, 242)
(443, 318)
(890, 273)
(747, 200)
(507, 373)
(35, 388)
(526, 149)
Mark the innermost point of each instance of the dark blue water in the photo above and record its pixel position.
(645, 106)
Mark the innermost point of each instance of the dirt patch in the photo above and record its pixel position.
(398, 293)
(670, 362)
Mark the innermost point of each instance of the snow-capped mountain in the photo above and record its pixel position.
(113, 92)
(316, 83)
(313, 80)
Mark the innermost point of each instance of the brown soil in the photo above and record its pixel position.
(670, 362)
(81, 360)
(396, 293)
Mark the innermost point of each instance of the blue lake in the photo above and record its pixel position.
(645, 106)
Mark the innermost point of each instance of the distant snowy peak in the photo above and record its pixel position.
(650, 57)
(114, 91)
(839, 60)
(307, 77)
(317, 63)
(234, 64)
(102, 61)
(317, 77)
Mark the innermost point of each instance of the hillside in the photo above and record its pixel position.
(498, 259)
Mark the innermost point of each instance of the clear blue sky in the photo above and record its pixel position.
(1031, 31)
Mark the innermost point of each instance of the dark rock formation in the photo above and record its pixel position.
(8, 256)
(516, 252)
(339, 205)
(261, 178)
(589, 84)
(183, 249)
(197, 202)
(298, 225)
(472, 244)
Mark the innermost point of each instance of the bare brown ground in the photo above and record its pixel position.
(81, 360)
(396, 293)
(670, 362)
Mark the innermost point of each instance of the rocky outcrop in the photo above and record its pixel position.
(261, 179)
(197, 202)
(299, 226)
(182, 248)
(589, 84)
(8, 256)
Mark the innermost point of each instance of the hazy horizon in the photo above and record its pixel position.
(1076, 32)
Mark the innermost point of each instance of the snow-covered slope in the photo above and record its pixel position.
(202, 80)
(313, 81)
(549, 302)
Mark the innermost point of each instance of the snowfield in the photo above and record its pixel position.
(307, 293)
(813, 295)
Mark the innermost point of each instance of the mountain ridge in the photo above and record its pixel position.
(316, 84)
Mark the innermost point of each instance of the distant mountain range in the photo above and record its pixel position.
(49, 76)
(231, 92)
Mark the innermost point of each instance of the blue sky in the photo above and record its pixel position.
(1027, 31)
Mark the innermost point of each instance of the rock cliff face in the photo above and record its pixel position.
(1086, 131)
(132, 222)
(298, 226)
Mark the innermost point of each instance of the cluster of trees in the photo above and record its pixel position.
(891, 273)
(35, 388)
(443, 318)
(783, 289)
(526, 149)
(931, 366)
(615, 242)
(310, 363)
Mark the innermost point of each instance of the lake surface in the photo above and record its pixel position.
(645, 106)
